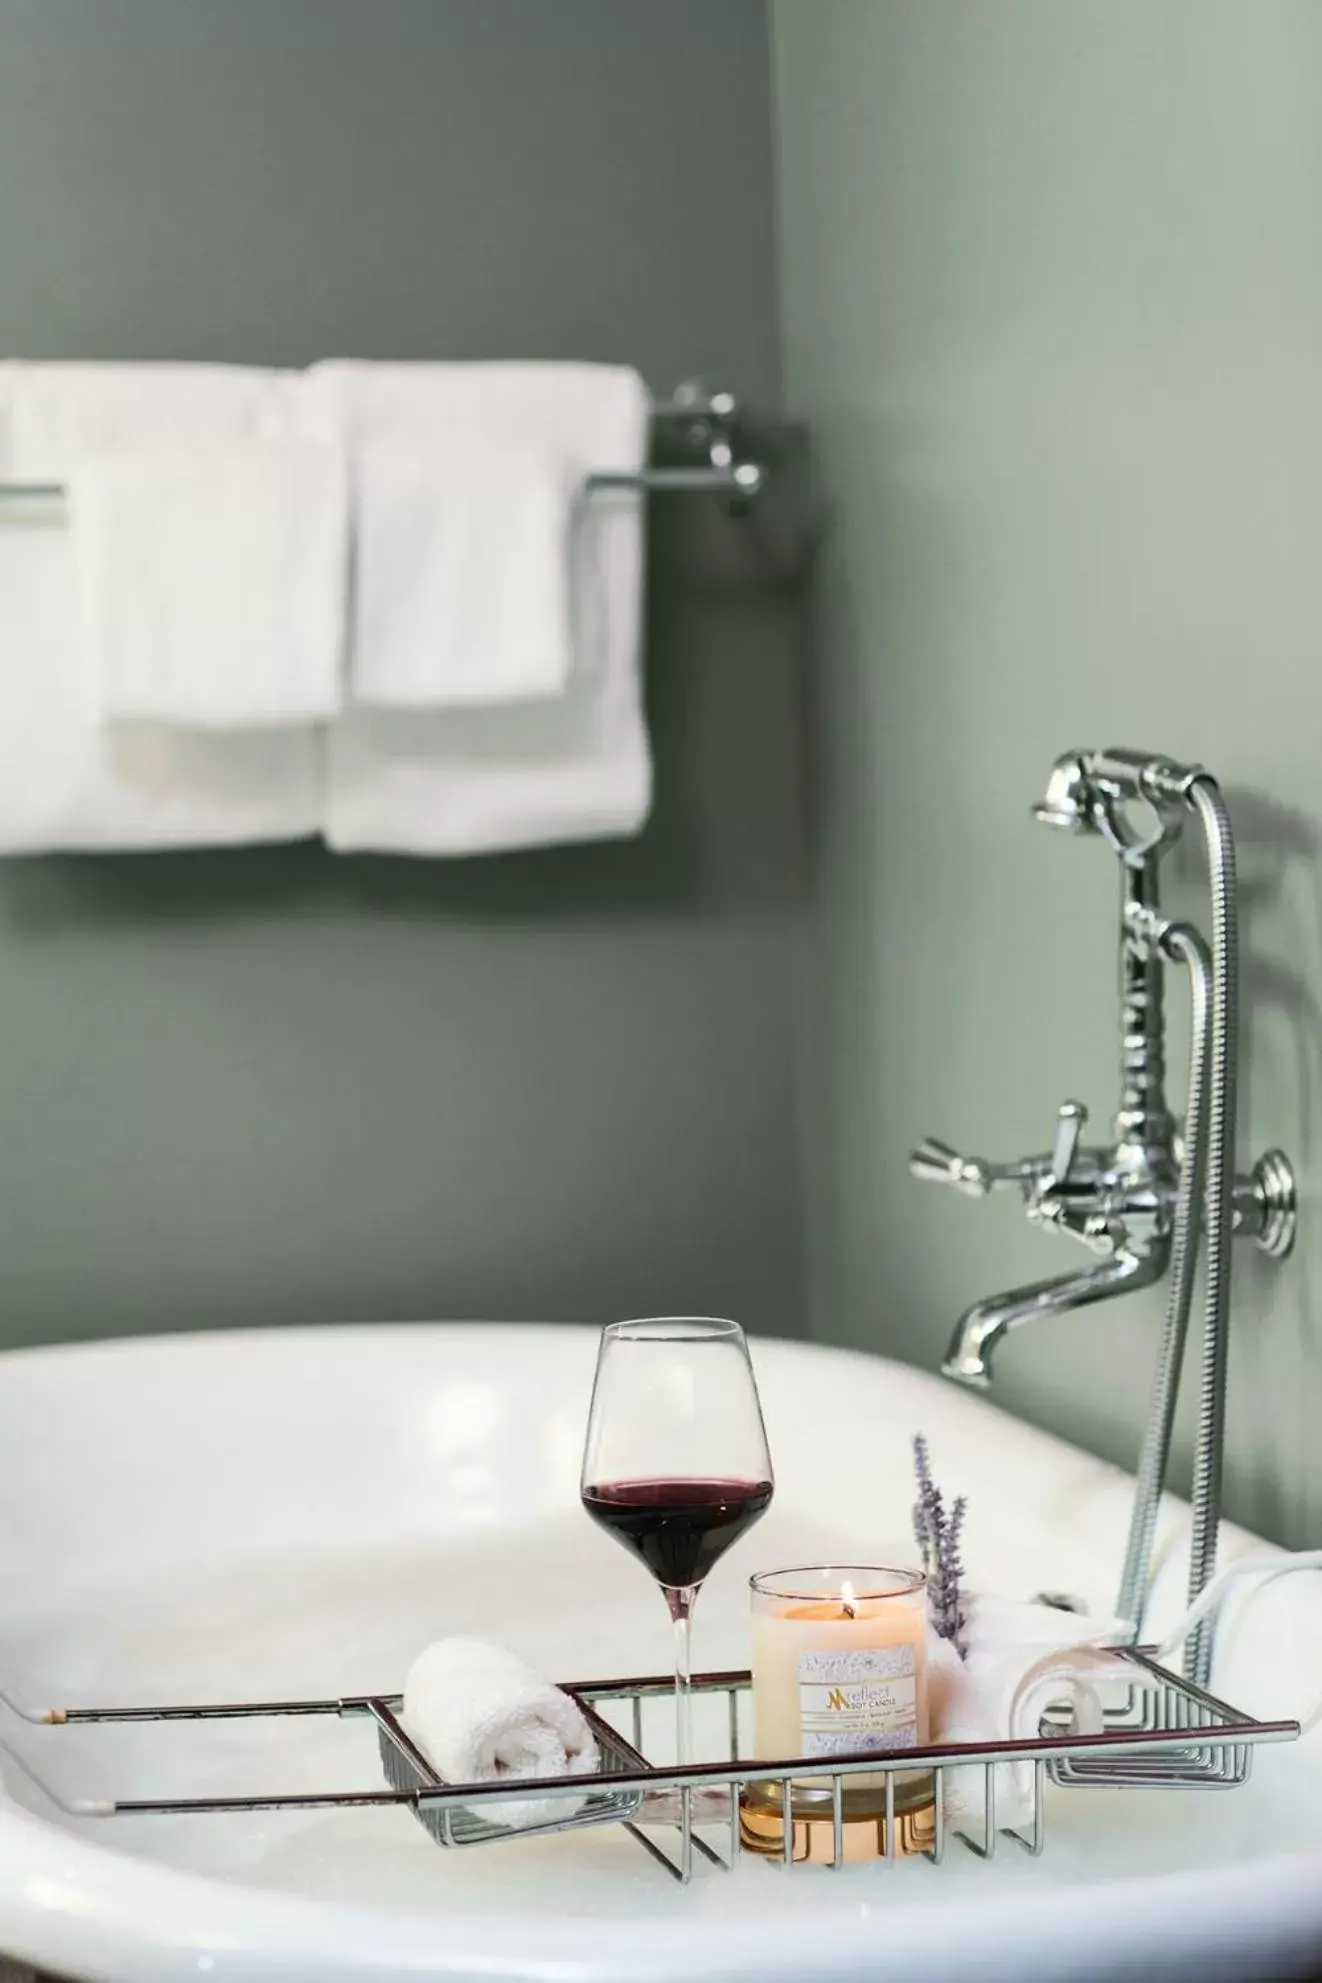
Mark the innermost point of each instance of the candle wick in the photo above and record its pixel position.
(850, 1611)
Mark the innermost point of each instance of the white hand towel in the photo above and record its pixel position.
(67, 779)
(1273, 1626)
(63, 412)
(468, 485)
(516, 772)
(212, 578)
(480, 1715)
(1021, 1660)
(462, 570)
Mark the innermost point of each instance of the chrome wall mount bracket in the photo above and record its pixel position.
(1276, 1204)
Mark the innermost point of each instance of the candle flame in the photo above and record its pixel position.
(848, 1599)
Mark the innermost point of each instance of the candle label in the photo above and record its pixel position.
(866, 1699)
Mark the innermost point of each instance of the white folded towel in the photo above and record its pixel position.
(462, 570)
(503, 760)
(63, 412)
(212, 579)
(1021, 1659)
(68, 780)
(480, 1715)
(1269, 1567)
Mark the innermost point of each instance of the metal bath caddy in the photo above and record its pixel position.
(1163, 1732)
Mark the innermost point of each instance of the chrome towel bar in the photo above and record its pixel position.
(704, 421)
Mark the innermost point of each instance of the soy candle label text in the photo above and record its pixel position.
(858, 1700)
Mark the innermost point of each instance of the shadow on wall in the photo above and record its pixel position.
(725, 692)
(1276, 1311)
(1274, 1324)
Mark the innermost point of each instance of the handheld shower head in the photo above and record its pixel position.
(1069, 798)
(1087, 791)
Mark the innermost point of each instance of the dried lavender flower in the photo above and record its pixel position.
(926, 1507)
(938, 1536)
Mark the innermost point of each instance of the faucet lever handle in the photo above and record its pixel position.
(939, 1164)
(1070, 1119)
(1100, 1232)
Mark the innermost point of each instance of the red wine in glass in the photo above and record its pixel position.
(679, 1527)
(675, 1464)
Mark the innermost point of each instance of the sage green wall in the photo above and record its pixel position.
(272, 1086)
(1053, 308)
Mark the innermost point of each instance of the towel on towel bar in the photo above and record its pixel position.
(212, 579)
(462, 571)
(513, 770)
(68, 780)
(468, 500)
(59, 413)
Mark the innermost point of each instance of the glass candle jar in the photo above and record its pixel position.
(839, 1667)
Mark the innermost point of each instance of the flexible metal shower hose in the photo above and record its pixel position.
(1205, 797)
(1178, 940)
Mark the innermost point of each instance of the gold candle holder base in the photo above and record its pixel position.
(863, 1832)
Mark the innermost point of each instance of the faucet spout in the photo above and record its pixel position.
(981, 1327)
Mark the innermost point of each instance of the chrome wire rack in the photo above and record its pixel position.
(1160, 1730)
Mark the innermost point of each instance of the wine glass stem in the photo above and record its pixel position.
(681, 1611)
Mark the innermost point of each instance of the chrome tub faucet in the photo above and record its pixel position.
(1144, 1201)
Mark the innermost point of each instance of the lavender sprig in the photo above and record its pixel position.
(938, 1536)
(947, 1595)
(926, 1510)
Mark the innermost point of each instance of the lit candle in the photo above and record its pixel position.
(839, 1668)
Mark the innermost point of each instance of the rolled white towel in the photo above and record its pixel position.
(480, 1715)
(1021, 1660)
(1269, 1567)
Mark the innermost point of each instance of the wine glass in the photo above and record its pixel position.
(676, 1465)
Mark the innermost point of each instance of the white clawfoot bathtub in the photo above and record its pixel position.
(265, 1515)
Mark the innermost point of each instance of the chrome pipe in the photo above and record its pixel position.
(1223, 1073)
(1144, 1131)
(738, 478)
(982, 1327)
(1181, 942)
